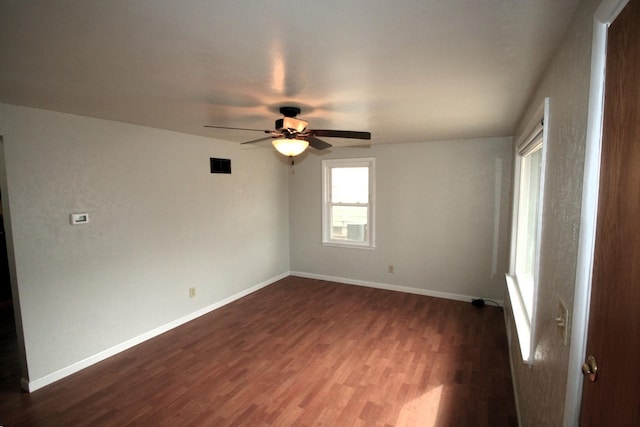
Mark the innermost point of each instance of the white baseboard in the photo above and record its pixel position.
(38, 383)
(409, 290)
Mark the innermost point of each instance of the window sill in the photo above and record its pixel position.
(521, 320)
(348, 245)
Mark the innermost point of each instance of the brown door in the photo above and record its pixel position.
(613, 399)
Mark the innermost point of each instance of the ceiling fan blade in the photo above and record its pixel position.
(226, 127)
(316, 143)
(341, 134)
(257, 140)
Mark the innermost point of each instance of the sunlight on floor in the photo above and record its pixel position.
(423, 410)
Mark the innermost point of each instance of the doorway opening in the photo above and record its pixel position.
(10, 357)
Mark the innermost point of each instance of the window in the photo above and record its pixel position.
(528, 220)
(522, 279)
(347, 202)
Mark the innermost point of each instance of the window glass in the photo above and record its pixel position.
(527, 231)
(350, 185)
(349, 223)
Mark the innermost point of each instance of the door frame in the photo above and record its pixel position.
(605, 14)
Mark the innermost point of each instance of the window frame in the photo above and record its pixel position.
(327, 204)
(534, 138)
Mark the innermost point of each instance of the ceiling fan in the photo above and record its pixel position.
(291, 136)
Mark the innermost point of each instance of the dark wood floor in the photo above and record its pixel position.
(300, 352)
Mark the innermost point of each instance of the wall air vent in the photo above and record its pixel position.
(220, 165)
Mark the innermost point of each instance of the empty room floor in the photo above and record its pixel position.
(300, 352)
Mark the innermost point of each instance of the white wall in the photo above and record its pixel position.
(159, 224)
(540, 390)
(442, 218)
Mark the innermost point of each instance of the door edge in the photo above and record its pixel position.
(605, 14)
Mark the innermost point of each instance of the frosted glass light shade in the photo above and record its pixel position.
(290, 147)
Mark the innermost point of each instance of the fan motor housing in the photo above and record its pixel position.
(289, 111)
(291, 123)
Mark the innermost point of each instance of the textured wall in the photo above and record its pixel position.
(441, 217)
(541, 389)
(159, 224)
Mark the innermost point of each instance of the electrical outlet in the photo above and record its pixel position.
(192, 292)
(391, 268)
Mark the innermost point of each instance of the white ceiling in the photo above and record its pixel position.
(407, 71)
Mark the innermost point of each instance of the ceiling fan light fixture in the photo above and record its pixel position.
(290, 147)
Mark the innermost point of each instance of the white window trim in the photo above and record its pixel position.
(525, 325)
(327, 165)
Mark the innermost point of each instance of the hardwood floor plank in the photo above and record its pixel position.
(300, 352)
